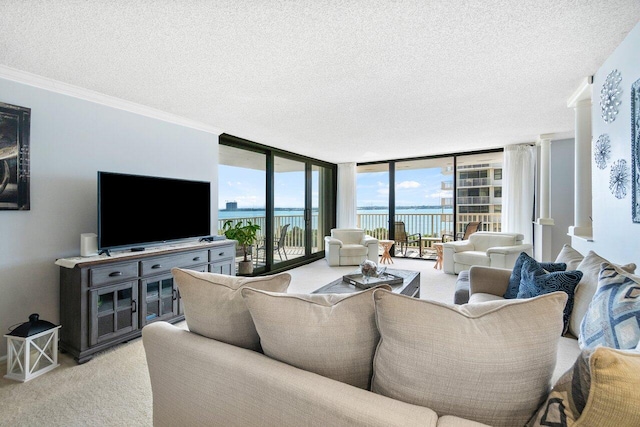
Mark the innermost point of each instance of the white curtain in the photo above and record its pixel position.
(518, 190)
(347, 204)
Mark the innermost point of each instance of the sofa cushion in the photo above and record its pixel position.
(472, 258)
(483, 240)
(569, 256)
(536, 281)
(613, 317)
(333, 335)
(214, 307)
(590, 267)
(353, 250)
(601, 388)
(516, 273)
(348, 236)
(493, 377)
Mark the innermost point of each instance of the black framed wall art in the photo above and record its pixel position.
(15, 123)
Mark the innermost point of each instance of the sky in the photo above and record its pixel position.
(413, 187)
(416, 187)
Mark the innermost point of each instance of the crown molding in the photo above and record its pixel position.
(582, 93)
(46, 83)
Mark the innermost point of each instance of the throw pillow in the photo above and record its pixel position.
(333, 335)
(514, 279)
(600, 390)
(536, 281)
(613, 317)
(590, 267)
(214, 307)
(569, 256)
(489, 362)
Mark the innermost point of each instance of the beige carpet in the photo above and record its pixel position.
(113, 388)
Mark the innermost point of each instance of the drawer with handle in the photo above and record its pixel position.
(222, 252)
(113, 273)
(164, 264)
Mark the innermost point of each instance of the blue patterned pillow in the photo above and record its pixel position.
(535, 281)
(514, 279)
(613, 317)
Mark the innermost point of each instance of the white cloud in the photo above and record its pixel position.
(440, 194)
(408, 184)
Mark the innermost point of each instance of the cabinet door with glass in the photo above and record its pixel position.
(113, 311)
(159, 298)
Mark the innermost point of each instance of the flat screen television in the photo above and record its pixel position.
(135, 211)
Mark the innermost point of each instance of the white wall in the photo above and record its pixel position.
(71, 139)
(615, 236)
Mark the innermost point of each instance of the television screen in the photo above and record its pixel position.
(135, 210)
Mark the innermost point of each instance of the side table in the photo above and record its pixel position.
(386, 246)
(439, 251)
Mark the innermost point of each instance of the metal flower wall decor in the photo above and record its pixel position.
(610, 96)
(618, 178)
(602, 151)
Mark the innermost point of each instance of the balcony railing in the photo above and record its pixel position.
(475, 200)
(376, 225)
(473, 182)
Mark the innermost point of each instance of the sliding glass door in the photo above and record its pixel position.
(479, 191)
(416, 202)
(423, 205)
(373, 199)
(291, 197)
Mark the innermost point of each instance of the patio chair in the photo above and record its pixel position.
(402, 238)
(280, 242)
(469, 229)
(278, 245)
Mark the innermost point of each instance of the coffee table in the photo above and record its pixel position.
(410, 285)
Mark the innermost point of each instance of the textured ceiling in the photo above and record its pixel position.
(335, 80)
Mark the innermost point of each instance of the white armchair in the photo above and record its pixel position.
(349, 246)
(485, 248)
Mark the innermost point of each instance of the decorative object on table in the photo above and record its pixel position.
(635, 151)
(32, 349)
(15, 123)
(369, 269)
(619, 178)
(602, 151)
(386, 247)
(365, 282)
(245, 235)
(610, 96)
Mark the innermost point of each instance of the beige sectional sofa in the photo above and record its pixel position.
(255, 355)
(490, 284)
(428, 363)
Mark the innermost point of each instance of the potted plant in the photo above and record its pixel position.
(245, 235)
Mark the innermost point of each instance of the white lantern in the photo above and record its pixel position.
(32, 349)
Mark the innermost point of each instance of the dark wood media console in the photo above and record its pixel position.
(105, 301)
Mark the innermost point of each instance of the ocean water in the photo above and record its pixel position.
(371, 219)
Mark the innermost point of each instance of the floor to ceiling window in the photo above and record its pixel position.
(289, 209)
(373, 199)
(291, 197)
(427, 198)
(423, 204)
(479, 191)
